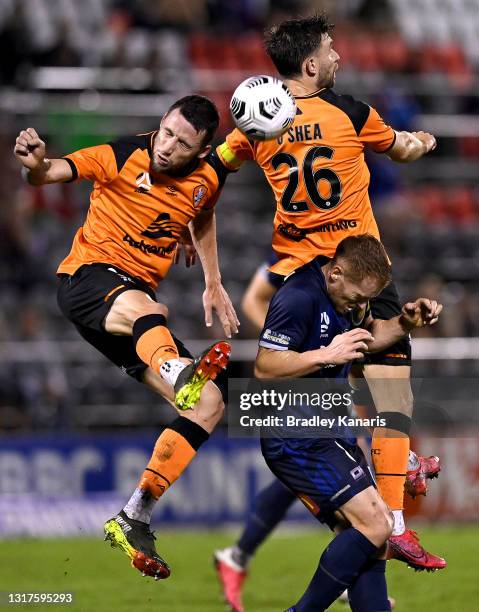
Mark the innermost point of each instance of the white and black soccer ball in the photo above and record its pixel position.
(263, 107)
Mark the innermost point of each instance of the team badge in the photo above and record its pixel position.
(199, 194)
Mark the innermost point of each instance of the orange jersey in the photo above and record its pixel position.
(134, 221)
(318, 174)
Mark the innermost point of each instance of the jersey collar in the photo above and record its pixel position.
(315, 94)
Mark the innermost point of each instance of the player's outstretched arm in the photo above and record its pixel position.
(343, 348)
(203, 233)
(30, 151)
(410, 146)
(414, 314)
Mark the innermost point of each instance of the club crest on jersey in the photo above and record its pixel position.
(143, 182)
(199, 194)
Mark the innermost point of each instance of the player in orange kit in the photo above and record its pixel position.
(320, 181)
(148, 190)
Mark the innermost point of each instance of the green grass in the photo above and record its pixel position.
(102, 579)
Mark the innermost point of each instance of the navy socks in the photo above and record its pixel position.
(369, 592)
(270, 506)
(339, 567)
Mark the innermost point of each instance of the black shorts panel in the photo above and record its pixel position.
(121, 350)
(324, 473)
(86, 298)
(386, 306)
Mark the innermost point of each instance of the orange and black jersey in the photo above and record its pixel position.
(135, 221)
(318, 174)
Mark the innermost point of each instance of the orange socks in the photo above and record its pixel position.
(153, 341)
(390, 453)
(174, 450)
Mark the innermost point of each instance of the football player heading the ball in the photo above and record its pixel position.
(320, 180)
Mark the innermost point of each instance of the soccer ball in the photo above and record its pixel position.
(263, 107)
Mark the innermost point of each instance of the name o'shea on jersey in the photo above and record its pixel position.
(318, 175)
(301, 133)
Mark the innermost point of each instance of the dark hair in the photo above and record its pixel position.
(201, 112)
(365, 257)
(291, 42)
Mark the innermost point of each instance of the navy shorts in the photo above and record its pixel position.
(323, 473)
(85, 298)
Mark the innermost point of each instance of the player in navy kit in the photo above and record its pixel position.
(310, 332)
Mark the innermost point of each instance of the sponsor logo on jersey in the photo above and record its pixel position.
(172, 190)
(324, 324)
(199, 194)
(163, 227)
(293, 232)
(150, 249)
(143, 183)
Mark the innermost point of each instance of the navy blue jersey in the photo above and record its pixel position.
(302, 317)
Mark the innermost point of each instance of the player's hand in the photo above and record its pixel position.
(428, 140)
(188, 251)
(215, 297)
(347, 347)
(29, 149)
(420, 313)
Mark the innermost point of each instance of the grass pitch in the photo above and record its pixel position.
(102, 579)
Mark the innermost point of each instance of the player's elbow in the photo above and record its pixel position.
(261, 370)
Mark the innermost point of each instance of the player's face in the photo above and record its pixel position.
(177, 144)
(348, 295)
(326, 63)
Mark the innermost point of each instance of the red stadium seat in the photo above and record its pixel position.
(342, 45)
(469, 146)
(460, 205)
(394, 54)
(365, 55)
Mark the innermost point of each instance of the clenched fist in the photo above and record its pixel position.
(29, 149)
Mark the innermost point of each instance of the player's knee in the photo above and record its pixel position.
(153, 308)
(384, 525)
(211, 405)
(376, 523)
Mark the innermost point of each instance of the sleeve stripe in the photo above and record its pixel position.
(71, 163)
(275, 347)
(391, 145)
